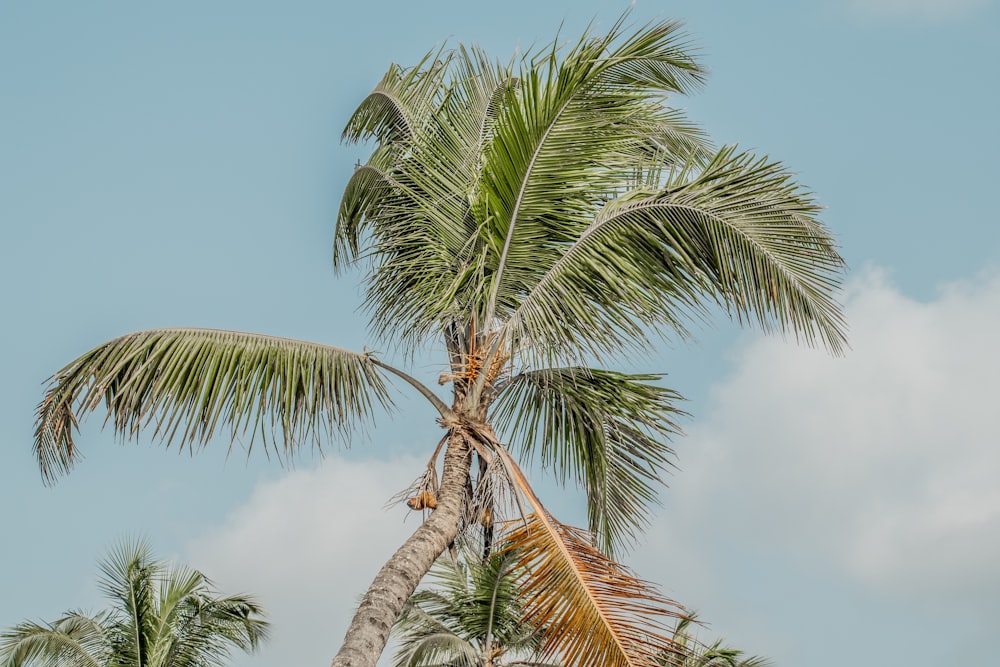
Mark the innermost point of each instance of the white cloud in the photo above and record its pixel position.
(927, 10)
(308, 545)
(882, 465)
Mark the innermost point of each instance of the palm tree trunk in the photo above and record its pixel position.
(369, 631)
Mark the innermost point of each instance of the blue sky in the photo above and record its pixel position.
(180, 165)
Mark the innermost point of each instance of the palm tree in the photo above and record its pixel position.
(699, 655)
(163, 616)
(533, 221)
(472, 619)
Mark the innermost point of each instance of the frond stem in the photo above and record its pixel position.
(446, 413)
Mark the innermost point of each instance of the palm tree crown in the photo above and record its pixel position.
(702, 655)
(535, 220)
(472, 618)
(163, 616)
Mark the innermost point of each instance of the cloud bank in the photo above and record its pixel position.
(308, 545)
(880, 467)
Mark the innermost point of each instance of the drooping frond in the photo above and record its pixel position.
(657, 58)
(190, 383)
(75, 640)
(429, 632)
(423, 232)
(471, 608)
(591, 609)
(594, 610)
(400, 103)
(737, 231)
(204, 629)
(704, 655)
(366, 194)
(606, 431)
(427, 648)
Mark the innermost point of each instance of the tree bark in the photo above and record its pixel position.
(369, 631)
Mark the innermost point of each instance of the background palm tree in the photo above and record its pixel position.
(532, 221)
(163, 616)
(471, 618)
(702, 655)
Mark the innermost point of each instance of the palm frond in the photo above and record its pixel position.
(436, 649)
(192, 382)
(75, 640)
(131, 577)
(473, 609)
(367, 191)
(591, 609)
(399, 105)
(195, 627)
(205, 629)
(737, 231)
(608, 432)
(568, 140)
(657, 57)
(424, 232)
(702, 655)
(429, 632)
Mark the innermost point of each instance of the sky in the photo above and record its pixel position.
(179, 165)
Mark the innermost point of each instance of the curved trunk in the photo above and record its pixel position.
(369, 630)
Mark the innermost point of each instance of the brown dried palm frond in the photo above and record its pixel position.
(422, 492)
(593, 609)
(495, 498)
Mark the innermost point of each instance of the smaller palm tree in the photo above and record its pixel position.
(700, 655)
(163, 616)
(472, 619)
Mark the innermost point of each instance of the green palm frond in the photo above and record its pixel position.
(472, 609)
(196, 628)
(190, 382)
(204, 629)
(75, 640)
(737, 231)
(399, 105)
(701, 655)
(563, 144)
(437, 649)
(429, 632)
(657, 57)
(417, 204)
(130, 578)
(608, 432)
(366, 194)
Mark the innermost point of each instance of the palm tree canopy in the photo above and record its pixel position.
(560, 202)
(706, 655)
(163, 616)
(472, 616)
(538, 219)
